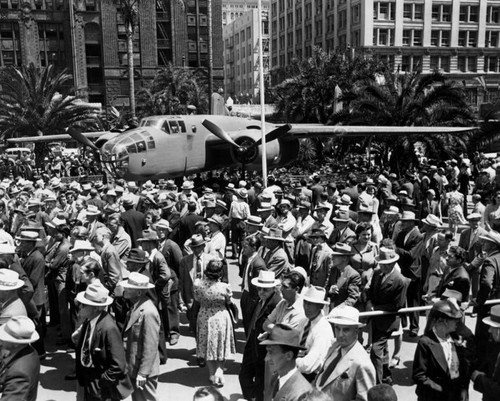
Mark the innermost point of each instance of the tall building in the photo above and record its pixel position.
(241, 45)
(458, 37)
(89, 37)
(232, 9)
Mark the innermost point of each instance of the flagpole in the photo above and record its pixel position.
(262, 96)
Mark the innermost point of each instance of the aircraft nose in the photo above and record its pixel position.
(115, 157)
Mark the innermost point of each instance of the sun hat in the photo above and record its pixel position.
(81, 245)
(315, 295)
(265, 207)
(254, 221)
(187, 185)
(386, 256)
(95, 295)
(491, 236)
(266, 279)
(148, 235)
(197, 240)
(137, 255)
(345, 316)
(283, 334)
(137, 281)
(342, 249)
(408, 216)
(242, 193)
(19, 330)
(275, 234)
(92, 210)
(163, 224)
(432, 220)
(493, 319)
(28, 236)
(344, 200)
(9, 280)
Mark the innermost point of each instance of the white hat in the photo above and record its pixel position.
(95, 295)
(9, 280)
(6, 249)
(81, 245)
(345, 316)
(137, 281)
(432, 220)
(386, 256)
(316, 295)
(92, 210)
(19, 330)
(266, 279)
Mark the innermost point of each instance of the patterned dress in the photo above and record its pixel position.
(215, 339)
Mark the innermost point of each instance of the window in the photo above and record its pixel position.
(440, 63)
(383, 37)
(441, 13)
(355, 14)
(467, 38)
(413, 12)
(492, 38)
(440, 38)
(469, 13)
(467, 64)
(51, 40)
(493, 14)
(411, 63)
(491, 64)
(384, 11)
(11, 48)
(412, 37)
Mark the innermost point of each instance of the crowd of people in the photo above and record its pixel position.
(113, 267)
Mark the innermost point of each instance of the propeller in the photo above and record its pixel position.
(218, 132)
(274, 134)
(76, 134)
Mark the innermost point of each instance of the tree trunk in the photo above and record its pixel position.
(130, 65)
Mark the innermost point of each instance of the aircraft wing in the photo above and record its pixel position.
(319, 130)
(55, 138)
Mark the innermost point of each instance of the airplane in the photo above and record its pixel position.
(169, 146)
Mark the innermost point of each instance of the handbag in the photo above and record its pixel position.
(233, 312)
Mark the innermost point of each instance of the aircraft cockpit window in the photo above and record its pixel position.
(182, 126)
(151, 143)
(164, 127)
(141, 146)
(131, 148)
(174, 128)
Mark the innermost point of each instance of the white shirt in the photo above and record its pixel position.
(217, 245)
(284, 379)
(246, 281)
(193, 270)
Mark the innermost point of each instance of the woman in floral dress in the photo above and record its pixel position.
(455, 211)
(215, 338)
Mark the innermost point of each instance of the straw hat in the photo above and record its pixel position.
(408, 216)
(344, 200)
(254, 221)
(187, 185)
(216, 220)
(265, 207)
(163, 224)
(315, 295)
(345, 316)
(275, 234)
(19, 330)
(137, 281)
(197, 240)
(82, 245)
(392, 210)
(474, 216)
(9, 280)
(95, 295)
(493, 319)
(432, 220)
(242, 193)
(283, 334)
(386, 256)
(221, 203)
(92, 210)
(266, 279)
(342, 249)
(28, 236)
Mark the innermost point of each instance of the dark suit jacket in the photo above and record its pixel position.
(133, 223)
(187, 226)
(473, 249)
(488, 385)
(387, 296)
(458, 279)
(277, 261)
(404, 251)
(19, 376)
(348, 283)
(108, 375)
(293, 388)
(431, 372)
(253, 270)
(34, 266)
(425, 209)
(173, 255)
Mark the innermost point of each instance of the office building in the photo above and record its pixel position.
(233, 9)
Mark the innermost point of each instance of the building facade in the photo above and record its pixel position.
(233, 9)
(241, 45)
(458, 37)
(89, 37)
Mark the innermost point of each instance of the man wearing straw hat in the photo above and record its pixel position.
(141, 336)
(282, 346)
(101, 365)
(9, 298)
(347, 373)
(276, 258)
(20, 367)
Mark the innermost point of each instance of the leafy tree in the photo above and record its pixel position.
(172, 91)
(488, 132)
(40, 101)
(409, 99)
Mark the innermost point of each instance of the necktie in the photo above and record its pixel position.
(85, 357)
(305, 334)
(198, 266)
(330, 368)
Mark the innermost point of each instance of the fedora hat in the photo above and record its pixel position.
(342, 249)
(266, 279)
(216, 220)
(111, 192)
(137, 281)
(242, 193)
(474, 216)
(254, 221)
(491, 236)
(321, 206)
(315, 295)
(283, 334)
(341, 215)
(449, 307)
(407, 202)
(345, 316)
(163, 224)
(304, 205)
(137, 255)
(128, 201)
(344, 200)
(230, 187)
(29, 236)
(171, 184)
(197, 240)
(275, 234)
(300, 270)
(432, 220)
(407, 216)
(148, 235)
(92, 210)
(318, 233)
(187, 185)
(493, 319)
(386, 256)
(370, 182)
(95, 295)
(82, 245)
(9, 280)
(392, 210)
(265, 207)
(221, 204)
(19, 330)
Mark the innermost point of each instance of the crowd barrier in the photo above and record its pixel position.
(415, 309)
(82, 178)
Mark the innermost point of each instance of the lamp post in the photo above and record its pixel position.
(262, 98)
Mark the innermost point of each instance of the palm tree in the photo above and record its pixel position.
(172, 91)
(410, 99)
(36, 101)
